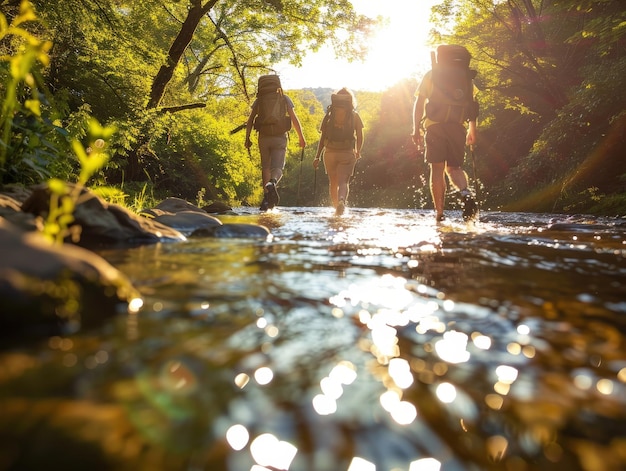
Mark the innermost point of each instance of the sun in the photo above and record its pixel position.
(397, 51)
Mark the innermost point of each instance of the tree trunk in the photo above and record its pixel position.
(177, 49)
(135, 169)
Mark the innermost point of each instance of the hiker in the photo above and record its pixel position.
(272, 116)
(444, 104)
(341, 141)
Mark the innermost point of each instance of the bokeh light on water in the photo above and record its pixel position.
(375, 341)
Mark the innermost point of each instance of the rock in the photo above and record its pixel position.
(195, 222)
(11, 210)
(58, 289)
(217, 207)
(175, 205)
(16, 191)
(101, 224)
(54, 290)
(184, 221)
(233, 231)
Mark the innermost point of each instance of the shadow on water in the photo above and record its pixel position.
(374, 341)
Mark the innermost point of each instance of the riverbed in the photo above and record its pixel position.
(377, 340)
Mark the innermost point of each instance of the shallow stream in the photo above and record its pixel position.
(373, 341)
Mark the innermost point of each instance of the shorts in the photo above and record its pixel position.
(445, 142)
(273, 150)
(340, 163)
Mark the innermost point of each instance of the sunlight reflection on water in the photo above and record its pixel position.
(375, 341)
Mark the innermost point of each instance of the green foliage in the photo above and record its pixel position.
(203, 154)
(63, 199)
(23, 130)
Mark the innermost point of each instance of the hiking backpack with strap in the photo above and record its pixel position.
(272, 117)
(452, 97)
(339, 123)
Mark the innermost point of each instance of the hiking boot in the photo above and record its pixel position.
(265, 204)
(341, 206)
(272, 193)
(470, 208)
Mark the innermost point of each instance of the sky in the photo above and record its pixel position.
(397, 51)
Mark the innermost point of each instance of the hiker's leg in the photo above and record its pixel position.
(435, 154)
(438, 186)
(345, 169)
(278, 150)
(458, 177)
(331, 160)
(456, 155)
(266, 162)
(333, 186)
(266, 175)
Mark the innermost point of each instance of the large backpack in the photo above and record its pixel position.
(272, 117)
(452, 96)
(338, 123)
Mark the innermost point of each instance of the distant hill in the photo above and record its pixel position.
(322, 95)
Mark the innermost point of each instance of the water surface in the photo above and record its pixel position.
(372, 341)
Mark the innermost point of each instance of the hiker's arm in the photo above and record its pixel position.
(320, 148)
(296, 124)
(470, 139)
(359, 141)
(249, 123)
(418, 115)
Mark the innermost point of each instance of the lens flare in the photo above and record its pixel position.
(264, 375)
(360, 464)
(425, 464)
(237, 437)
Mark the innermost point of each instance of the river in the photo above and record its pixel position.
(372, 341)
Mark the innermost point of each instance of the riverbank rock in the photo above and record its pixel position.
(176, 205)
(58, 289)
(196, 222)
(217, 207)
(11, 210)
(186, 221)
(54, 290)
(98, 223)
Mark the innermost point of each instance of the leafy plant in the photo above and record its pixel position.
(23, 130)
(63, 198)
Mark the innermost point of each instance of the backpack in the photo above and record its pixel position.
(272, 118)
(338, 123)
(452, 96)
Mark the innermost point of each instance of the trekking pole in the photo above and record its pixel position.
(300, 177)
(475, 179)
(315, 187)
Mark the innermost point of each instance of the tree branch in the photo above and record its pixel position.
(176, 109)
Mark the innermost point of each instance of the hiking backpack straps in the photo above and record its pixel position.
(452, 95)
(272, 117)
(339, 122)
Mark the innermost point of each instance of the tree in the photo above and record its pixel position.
(196, 12)
(137, 63)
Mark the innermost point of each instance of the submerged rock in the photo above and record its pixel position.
(233, 231)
